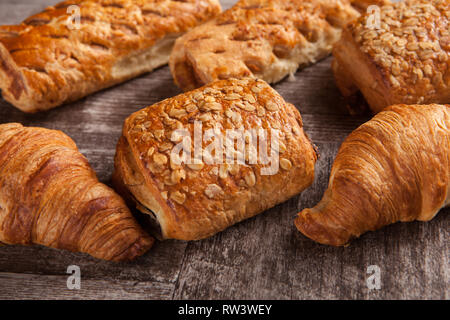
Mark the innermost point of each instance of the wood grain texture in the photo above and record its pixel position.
(90, 289)
(262, 258)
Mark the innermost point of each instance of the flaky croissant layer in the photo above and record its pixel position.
(49, 195)
(396, 167)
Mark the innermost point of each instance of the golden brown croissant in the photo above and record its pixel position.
(396, 167)
(49, 195)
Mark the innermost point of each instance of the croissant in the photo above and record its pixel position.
(49, 195)
(78, 47)
(396, 167)
(265, 39)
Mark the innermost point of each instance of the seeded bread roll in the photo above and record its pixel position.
(190, 201)
(405, 60)
(48, 59)
(267, 39)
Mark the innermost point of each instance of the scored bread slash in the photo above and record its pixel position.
(224, 165)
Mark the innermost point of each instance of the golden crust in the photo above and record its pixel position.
(196, 201)
(405, 61)
(49, 195)
(395, 167)
(44, 62)
(267, 39)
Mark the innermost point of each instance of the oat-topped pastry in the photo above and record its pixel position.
(199, 162)
(81, 46)
(404, 59)
(268, 39)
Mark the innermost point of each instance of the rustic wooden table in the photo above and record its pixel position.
(261, 258)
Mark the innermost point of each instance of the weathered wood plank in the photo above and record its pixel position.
(264, 257)
(16, 286)
(161, 264)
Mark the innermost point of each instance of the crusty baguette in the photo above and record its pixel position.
(406, 60)
(191, 201)
(47, 61)
(396, 167)
(267, 39)
(49, 195)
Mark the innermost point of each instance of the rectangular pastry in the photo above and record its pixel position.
(403, 60)
(226, 130)
(267, 39)
(78, 47)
